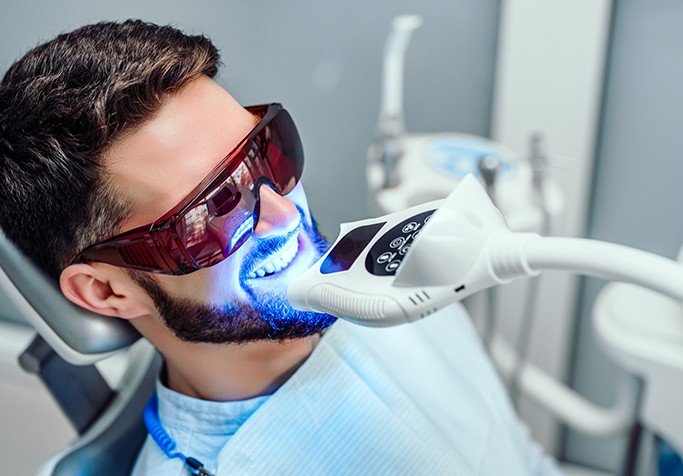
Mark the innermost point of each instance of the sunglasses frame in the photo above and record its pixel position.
(157, 248)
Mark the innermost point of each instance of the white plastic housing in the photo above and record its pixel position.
(463, 247)
(446, 262)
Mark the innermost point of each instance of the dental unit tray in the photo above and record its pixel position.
(404, 266)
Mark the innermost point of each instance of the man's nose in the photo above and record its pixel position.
(278, 214)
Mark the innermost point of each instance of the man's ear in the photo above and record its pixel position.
(104, 292)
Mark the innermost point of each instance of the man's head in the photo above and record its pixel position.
(105, 129)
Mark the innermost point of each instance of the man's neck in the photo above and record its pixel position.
(235, 372)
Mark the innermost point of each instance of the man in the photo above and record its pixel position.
(142, 187)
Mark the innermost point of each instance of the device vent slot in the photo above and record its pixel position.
(419, 298)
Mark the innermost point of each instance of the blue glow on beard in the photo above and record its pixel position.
(274, 309)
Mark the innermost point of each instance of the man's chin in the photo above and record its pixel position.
(304, 327)
(268, 294)
(285, 322)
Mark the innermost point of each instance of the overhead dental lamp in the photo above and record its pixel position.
(404, 266)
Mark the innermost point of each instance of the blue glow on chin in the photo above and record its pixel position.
(273, 307)
(281, 316)
(246, 226)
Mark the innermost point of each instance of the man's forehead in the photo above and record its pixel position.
(159, 163)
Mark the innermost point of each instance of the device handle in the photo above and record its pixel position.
(515, 255)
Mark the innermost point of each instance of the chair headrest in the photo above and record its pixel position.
(77, 335)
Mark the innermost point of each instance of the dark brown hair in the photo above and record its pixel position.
(61, 106)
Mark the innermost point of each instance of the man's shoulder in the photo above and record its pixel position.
(447, 336)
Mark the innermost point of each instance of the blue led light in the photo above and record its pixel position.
(246, 226)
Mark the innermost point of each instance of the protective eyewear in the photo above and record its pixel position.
(221, 213)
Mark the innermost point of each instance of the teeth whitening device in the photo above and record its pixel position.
(404, 266)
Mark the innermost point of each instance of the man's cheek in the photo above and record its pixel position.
(210, 285)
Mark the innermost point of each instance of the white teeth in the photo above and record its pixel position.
(277, 263)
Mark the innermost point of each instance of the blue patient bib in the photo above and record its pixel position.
(415, 399)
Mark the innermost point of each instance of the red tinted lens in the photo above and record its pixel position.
(214, 229)
(280, 146)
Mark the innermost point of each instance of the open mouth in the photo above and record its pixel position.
(278, 261)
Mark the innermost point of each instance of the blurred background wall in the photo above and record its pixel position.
(637, 192)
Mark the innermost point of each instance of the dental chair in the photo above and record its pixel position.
(69, 341)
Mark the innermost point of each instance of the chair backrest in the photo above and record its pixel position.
(109, 442)
(110, 446)
(78, 336)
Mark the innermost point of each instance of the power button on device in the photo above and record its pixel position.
(388, 252)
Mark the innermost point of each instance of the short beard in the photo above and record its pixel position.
(268, 318)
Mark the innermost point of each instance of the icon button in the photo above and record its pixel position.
(393, 266)
(411, 227)
(404, 250)
(397, 242)
(385, 257)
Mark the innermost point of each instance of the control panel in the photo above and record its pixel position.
(388, 252)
